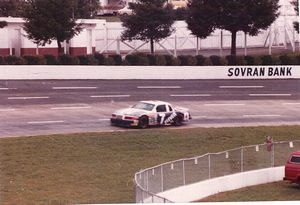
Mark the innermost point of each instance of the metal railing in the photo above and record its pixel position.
(152, 181)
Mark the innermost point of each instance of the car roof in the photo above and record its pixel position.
(155, 102)
(296, 153)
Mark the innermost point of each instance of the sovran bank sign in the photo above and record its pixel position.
(262, 72)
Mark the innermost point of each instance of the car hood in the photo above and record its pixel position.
(130, 111)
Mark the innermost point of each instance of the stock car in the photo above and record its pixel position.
(150, 113)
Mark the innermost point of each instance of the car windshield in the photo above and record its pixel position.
(295, 159)
(143, 106)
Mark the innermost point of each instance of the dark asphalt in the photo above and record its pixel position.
(61, 92)
(47, 107)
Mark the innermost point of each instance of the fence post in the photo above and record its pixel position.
(242, 159)
(162, 178)
(273, 155)
(197, 46)
(209, 166)
(118, 46)
(183, 171)
(245, 44)
(147, 181)
(221, 43)
(175, 46)
(142, 196)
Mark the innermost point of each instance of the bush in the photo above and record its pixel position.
(297, 59)
(200, 59)
(2, 62)
(117, 59)
(250, 60)
(235, 60)
(68, 60)
(100, 58)
(288, 60)
(270, 60)
(34, 60)
(50, 60)
(187, 60)
(156, 59)
(217, 60)
(253, 60)
(137, 59)
(109, 61)
(171, 61)
(14, 60)
(266, 60)
(87, 60)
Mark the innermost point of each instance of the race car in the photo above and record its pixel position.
(150, 113)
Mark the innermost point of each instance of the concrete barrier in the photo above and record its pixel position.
(197, 191)
(148, 72)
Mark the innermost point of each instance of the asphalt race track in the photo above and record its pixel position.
(49, 107)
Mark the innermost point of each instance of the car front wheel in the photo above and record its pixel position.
(143, 122)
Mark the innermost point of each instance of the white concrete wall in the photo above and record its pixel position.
(146, 72)
(210, 187)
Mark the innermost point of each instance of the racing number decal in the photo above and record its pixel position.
(166, 118)
(161, 118)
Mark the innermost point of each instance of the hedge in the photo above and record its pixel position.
(153, 60)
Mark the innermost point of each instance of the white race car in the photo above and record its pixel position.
(150, 113)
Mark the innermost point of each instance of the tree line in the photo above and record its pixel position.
(151, 20)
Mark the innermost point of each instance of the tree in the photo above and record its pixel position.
(11, 7)
(151, 20)
(48, 20)
(3, 24)
(86, 9)
(296, 7)
(249, 16)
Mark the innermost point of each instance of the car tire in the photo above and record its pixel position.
(178, 120)
(143, 122)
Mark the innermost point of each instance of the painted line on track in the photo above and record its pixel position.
(225, 104)
(110, 96)
(73, 88)
(240, 86)
(45, 122)
(27, 98)
(269, 95)
(261, 115)
(290, 103)
(190, 95)
(8, 110)
(103, 119)
(159, 87)
(5, 89)
(70, 108)
(198, 117)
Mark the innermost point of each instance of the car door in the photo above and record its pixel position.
(161, 111)
(165, 114)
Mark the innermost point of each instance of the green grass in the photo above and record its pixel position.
(99, 167)
(280, 191)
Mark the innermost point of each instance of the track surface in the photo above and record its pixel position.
(49, 107)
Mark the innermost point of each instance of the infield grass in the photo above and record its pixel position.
(99, 167)
(279, 191)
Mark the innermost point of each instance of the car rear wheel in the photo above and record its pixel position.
(178, 120)
(143, 122)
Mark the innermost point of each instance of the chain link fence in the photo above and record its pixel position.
(154, 180)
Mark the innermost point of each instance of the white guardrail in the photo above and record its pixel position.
(147, 72)
(196, 192)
